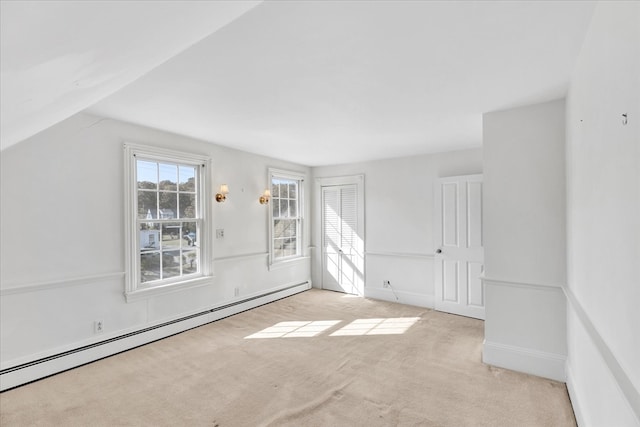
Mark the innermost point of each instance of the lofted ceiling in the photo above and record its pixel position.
(59, 57)
(313, 82)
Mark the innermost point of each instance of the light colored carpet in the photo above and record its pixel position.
(430, 375)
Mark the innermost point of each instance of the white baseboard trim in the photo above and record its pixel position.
(575, 400)
(409, 298)
(617, 371)
(53, 364)
(542, 364)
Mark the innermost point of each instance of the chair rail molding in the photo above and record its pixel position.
(13, 289)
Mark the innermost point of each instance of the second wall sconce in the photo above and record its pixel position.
(222, 195)
(264, 199)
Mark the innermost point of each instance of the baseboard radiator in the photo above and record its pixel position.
(37, 369)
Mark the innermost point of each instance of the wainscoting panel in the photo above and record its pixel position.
(410, 275)
(39, 368)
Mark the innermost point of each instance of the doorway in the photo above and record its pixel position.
(342, 202)
(459, 258)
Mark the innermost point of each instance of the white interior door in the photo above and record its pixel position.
(342, 242)
(459, 259)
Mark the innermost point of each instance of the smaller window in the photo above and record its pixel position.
(286, 215)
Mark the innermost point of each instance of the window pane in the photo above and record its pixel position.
(293, 191)
(168, 205)
(284, 209)
(187, 178)
(278, 228)
(284, 190)
(189, 235)
(149, 266)
(168, 176)
(187, 205)
(276, 207)
(293, 208)
(278, 248)
(171, 233)
(149, 236)
(147, 204)
(147, 173)
(170, 264)
(284, 228)
(189, 262)
(293, 231)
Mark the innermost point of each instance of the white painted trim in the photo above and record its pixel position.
(573, 397)
(339, 180)
(517, 284)
(133, 288)
(358, 180)
(400, 254)
(145, 293)
(60, 283)
(128, 340)
(617, 371)
(404, 297)
(287, 263)
(241, 257)
(302, 235)
(534, 362)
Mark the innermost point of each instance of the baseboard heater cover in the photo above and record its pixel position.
(22, 374)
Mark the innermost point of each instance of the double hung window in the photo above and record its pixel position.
(286, 215)
(167, 238)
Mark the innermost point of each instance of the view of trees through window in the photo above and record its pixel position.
(167, 218)
(286, 218)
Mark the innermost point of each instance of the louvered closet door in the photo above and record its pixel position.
(341, 246)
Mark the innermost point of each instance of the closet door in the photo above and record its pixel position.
(342, 247)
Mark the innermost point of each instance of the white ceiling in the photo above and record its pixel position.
(59, 57)
(316, 83)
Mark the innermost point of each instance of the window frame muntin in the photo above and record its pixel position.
(134, 288)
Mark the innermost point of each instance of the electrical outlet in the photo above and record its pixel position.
(220, 233)
(386, 284)
(236, 292)
(98, 326)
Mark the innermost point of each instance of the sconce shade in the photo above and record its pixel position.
(222, 195)
(264, 199)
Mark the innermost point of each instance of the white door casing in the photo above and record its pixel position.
(342, 236)
(459, 252)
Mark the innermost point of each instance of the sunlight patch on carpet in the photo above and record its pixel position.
(308, 329)
(295, 329)
(390, 326)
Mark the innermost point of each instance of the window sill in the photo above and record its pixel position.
(145, 293)
(291, 262)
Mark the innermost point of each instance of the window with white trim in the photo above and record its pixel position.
(167, 233)
(286, 215)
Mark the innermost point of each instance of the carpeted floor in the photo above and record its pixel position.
(335, 361)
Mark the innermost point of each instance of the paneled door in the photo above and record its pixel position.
(342, 240)
(459, 257)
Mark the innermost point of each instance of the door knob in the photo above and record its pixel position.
(438, 251)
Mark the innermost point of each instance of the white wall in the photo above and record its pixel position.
(62, 264)
(524, 220)
(399, 204)
(603, 193)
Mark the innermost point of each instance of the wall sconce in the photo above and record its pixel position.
(264, 199)
(222, 195)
